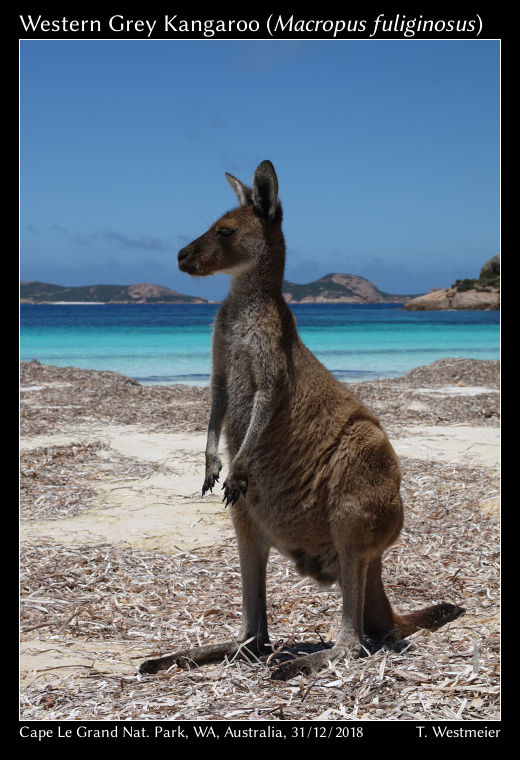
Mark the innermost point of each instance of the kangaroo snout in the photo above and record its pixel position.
(198, 258)
(183, 254)
(186, 261)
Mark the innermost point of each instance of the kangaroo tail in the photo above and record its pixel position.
(430, 618)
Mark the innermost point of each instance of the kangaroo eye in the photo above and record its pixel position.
(225, 231)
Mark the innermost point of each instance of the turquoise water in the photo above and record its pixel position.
(167, 343)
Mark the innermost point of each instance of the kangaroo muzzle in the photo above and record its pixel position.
(188, 260)
(183, 255)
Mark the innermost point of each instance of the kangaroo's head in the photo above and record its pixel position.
(242, 238)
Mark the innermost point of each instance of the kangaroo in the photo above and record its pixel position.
(312, 472)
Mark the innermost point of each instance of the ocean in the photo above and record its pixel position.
(166, 343)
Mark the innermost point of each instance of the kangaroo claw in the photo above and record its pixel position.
(233, 487)
(209, 483)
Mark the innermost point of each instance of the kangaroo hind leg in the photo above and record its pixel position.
(253, 636)
(353, 579)
(379, 625)
(253, 550)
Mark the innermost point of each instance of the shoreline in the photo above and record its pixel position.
(403, 304)
(110, 397)
(122, 559)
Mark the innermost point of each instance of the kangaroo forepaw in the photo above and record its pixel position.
(209, 483)
(213, 468)
(233, 487)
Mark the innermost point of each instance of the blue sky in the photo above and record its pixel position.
(387, 154)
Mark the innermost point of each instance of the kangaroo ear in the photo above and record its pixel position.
(243, 192)
(265, 190)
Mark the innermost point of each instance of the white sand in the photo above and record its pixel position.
(167, 513)
(460, 444)
(456, 390)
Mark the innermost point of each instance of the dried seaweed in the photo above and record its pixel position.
(71, 398)
(58, 481)
(113, 606)
(155, 603)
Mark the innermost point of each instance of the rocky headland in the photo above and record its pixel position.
(339, 288)
(33, 291)
(481, 293)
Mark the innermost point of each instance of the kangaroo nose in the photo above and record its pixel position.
(182, 254)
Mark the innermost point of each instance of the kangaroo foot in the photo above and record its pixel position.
(312, 663)
(186, 657)
(203, 655)
(391, 644)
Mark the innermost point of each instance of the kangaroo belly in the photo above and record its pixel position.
(311, 494)
(322, 475)
(301, 534)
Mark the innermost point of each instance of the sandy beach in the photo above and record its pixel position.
(122, 559)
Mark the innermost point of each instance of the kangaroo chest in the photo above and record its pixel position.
(241, 384)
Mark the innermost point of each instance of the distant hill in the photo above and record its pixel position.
(339, 288)
(143, 292)
(476, 293)
(333, 288)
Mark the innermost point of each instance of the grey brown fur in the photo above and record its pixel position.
(312, 472)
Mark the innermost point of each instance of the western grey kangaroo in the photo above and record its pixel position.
(312, 472)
